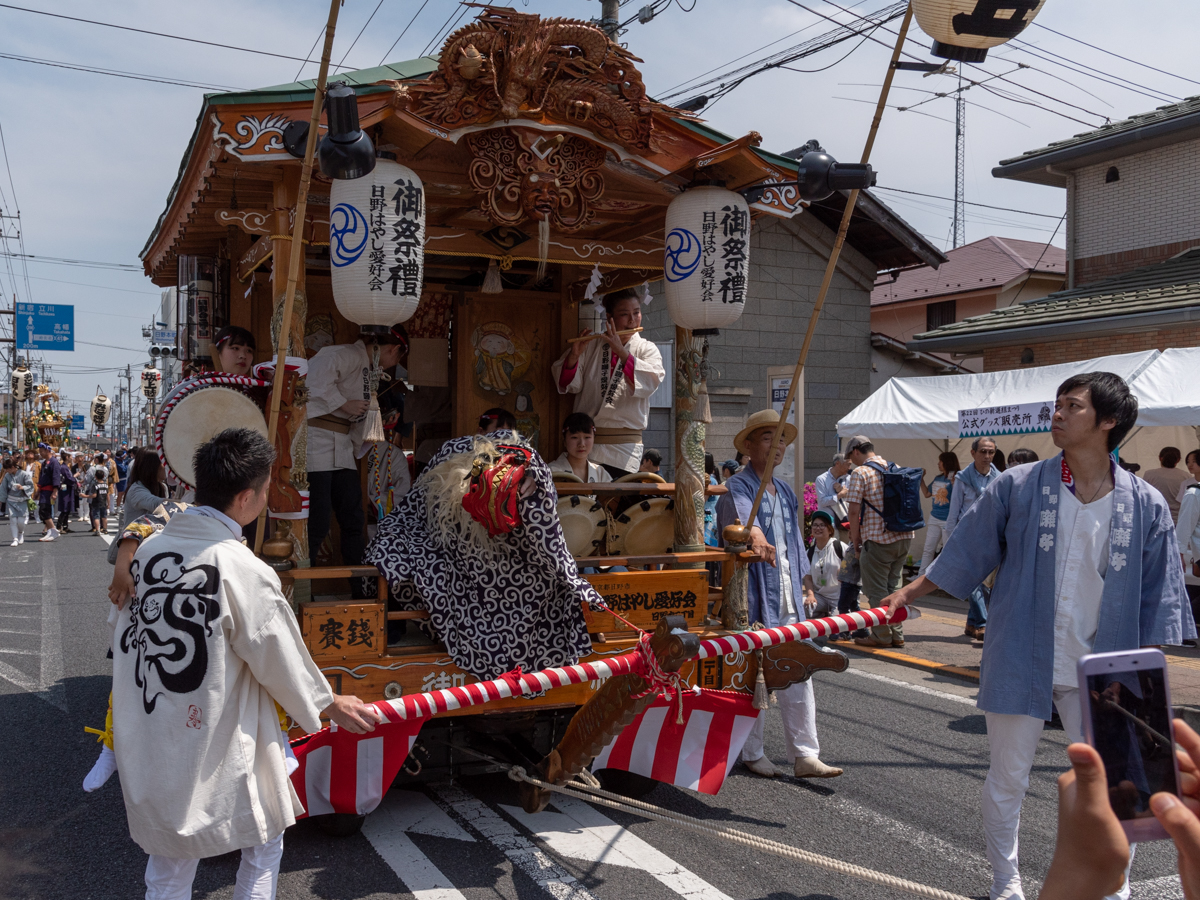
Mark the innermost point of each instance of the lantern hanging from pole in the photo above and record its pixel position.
(100, 408)
(22, 383)
(966, 29)
(377, 246)
(706, 257)
(151, 379)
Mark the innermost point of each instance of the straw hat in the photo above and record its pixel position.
(764, 418)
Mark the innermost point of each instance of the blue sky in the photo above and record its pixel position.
(92, 157)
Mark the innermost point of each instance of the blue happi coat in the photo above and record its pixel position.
(1013, 525)
(764, 578)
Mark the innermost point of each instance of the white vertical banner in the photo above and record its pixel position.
(791, 467)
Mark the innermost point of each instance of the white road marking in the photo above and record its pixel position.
(523, 853)
(578, 831)
(403, 812)
(1167, 887)
(53, 691)
(13, 631)
(21, 652)
(919, 688)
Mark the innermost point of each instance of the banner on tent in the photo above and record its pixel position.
(1021, 418)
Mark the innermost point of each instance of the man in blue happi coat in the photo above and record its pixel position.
(777, 594)
(1087, 561)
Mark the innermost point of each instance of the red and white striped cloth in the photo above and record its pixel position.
(344, 772)
(697, 754)
(347, 773)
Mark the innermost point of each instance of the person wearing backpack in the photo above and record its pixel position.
(969, 487)
(832, 573)
(885, 511)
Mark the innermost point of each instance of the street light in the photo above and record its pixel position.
(818, 176)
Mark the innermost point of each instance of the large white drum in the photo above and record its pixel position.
(195, 414)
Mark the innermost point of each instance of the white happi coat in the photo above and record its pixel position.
(336, 375)
(630, 405)
(200, 656)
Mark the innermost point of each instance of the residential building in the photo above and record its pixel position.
(1133, 277)
(977, 278)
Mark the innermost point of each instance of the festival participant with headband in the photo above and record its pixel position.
(226, 787)
(233, 350)
(339, 394)
(612, 378)
(1088, 563)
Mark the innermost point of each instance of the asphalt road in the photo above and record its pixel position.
(913, 747)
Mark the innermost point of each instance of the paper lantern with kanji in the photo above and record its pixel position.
(99, 409)
(966, 29)
(151, 379)
(22, 384)
(706, 257)
(377, 245)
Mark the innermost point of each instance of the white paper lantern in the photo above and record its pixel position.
(151, 379)
(706, 257)
(99, 409)
(22, 384)
(965, 29)
(377, 245)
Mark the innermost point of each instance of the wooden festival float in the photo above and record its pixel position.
(544, 168)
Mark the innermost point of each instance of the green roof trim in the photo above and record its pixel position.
(362, 80)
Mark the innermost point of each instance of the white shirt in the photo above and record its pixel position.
(1080, 563)
(214, 513)
(337, 374)
(1187, 528)
(596, 474)
(827, 497)
(628, 405)
(787, 602)
(824, 571)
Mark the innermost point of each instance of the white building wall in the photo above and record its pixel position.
(1156, 201)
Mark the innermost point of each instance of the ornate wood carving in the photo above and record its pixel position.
(525, 174)
(608, 711)
(251, 221)
(793, 662)
(509, 65)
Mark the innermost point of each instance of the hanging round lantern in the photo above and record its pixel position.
(377, 246)
(706, 257)
(966, 29)
(151, 379)
(22, 383)
(100, 408)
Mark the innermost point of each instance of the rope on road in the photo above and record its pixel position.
(650, 811)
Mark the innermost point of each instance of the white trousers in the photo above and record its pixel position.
(1013, 742)
(799, 710)
(257, 876)
(17, 528)
(935, 536)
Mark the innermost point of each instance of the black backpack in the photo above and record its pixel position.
(901, 498)
(837, 548)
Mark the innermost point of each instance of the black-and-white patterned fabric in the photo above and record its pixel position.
(514, 603)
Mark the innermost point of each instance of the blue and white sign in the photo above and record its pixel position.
(45, 326)
(1020, 418)
(163, 336)
(79, 423)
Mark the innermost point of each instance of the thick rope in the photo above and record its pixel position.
(649, 811)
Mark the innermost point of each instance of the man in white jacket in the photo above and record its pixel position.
(200, 657)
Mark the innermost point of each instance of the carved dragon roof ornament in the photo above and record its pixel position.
(508, 65)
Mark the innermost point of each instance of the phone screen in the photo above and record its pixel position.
(1131, 728)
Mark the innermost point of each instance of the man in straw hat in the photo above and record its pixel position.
(777, 595)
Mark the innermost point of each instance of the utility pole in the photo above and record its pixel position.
(960, 165)
(610, 13)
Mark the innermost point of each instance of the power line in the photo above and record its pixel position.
(1025, 212)
(1043, 54)
(116, 73)
(360, 32)
(404, 32)
(84, 263)
(1117, 55)
(174, 37)
(437, 34)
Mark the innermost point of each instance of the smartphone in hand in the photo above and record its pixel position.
(1127, 718)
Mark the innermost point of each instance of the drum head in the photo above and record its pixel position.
(569, 477)
(583, 523)
(199, 417)
(645, 529)
(640, 477)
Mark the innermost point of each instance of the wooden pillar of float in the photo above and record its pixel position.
(690, 477)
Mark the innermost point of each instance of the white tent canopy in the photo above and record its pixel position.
(1168, 391)
(927, 408)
